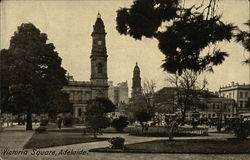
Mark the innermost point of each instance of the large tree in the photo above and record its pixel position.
(183, 32)
(244, 38)
(144, 109)
(187, 89)
(97, 114)
(31, 66)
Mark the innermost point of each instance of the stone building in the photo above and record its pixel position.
(240, 93)
(216, 107)
(118, 94)
(208, 105)
(81, 91)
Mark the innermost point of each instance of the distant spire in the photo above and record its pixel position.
(136, 64)
(98, 15)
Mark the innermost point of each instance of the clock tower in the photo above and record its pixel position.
(98, 58)
(136, 83)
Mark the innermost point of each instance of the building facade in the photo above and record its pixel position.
(240, 93)
(217, 107)
(208, 105)
(118, 94)
(82, 91)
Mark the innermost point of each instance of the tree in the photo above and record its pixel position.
(34, 65)
(241, 128)
(96, 114)
(145, 107)
(143, 117)
(243, 37)
(182, 32)
(187, 89)
(120, 123)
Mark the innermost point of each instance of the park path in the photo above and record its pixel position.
(16, 137)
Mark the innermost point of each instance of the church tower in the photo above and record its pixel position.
(99, 77)
(136, 83)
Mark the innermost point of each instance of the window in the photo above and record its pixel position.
(246, 94)
(241, 104)
(79, 94)
(71, 96)
(213, 106)
(229, 95)
(223, 94)
(75, 96)
(99, 68)
(79, 112)
(241, 94)
(88, 95)
(225, 106)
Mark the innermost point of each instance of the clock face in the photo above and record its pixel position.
(99, 42)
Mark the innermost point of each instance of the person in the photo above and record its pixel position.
(59, 122)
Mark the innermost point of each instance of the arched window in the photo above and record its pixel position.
(99, 68)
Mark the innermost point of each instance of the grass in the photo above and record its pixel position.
(51, 139)
(197, 146)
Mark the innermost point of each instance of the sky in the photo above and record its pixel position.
(69, 25)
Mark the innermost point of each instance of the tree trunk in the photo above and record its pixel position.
(28, 121)
(183, 116)
(19, 119)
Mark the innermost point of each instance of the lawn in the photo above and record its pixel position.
(201, 146)
(51, 139)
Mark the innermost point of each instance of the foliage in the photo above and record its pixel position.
(120, 123)
(171, 126)
(96, 114)
(243, 37)
(182, 32)
(187, 89)
(242, 128)
(117, 142)
(68, 121)
(37, 66)
(143, 117)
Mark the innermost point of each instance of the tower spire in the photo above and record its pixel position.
(98, 14)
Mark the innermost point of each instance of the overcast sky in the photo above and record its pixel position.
(69, 24)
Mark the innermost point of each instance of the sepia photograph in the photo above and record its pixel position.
(125, 80)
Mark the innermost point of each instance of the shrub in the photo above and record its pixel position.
(120, 123)
(68, 121)
(44, 122)
(40, 130)
(117, 142)
(242, 129)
